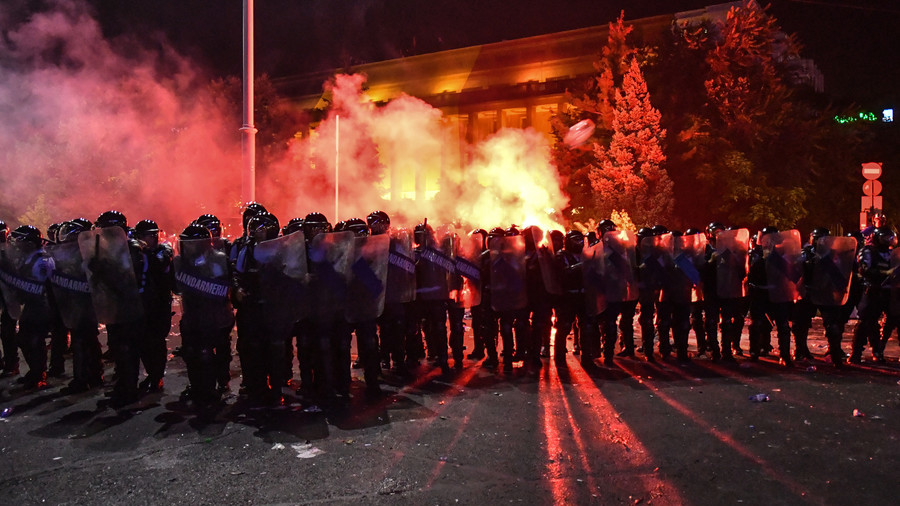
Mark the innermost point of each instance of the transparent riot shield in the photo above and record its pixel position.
(8, 279)
(781, 251)
(401, 276)
(894, 279)
(282, 280)
(690, 255)
(70, 286)
(434, 266)
(732, 248)
(330, 258)
(368, 278)
(833, 271)
(508, 291)
(551, 273)
(592, 271)
(619, 260)
(110, 273)
(656, 260)
(203, 276)
(467, 259)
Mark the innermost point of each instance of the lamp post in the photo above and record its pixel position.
(248, 130)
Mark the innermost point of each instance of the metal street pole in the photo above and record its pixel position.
(337, 165)
(248, 130)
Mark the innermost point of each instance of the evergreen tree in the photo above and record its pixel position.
(628, 174)
(596, 101)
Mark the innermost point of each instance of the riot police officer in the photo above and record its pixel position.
(59, 335)
(222, 343)
(262, 350)
(874, 266)
(33, 269)
(203, 282)
(10, 355)
(432, 293)
(804, 310)
(123, 337)
(572, 303)
(87, 365)
(156, 282)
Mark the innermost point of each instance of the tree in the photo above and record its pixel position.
(595, 101)
(742, 149)
(629, 174)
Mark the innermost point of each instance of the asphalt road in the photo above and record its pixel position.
(637, 433)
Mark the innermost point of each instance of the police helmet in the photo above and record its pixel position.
(818, 233)
(884, 237)
(315, 223)
(146, 227)
(251, 209)
(605, 225)
(69, 230)
(195, 231)
(294, 225)
(422, 231)
(713, 228)
(53, 232)
(379, 222)
(212, 223)
(574, 241)
(357, 226)
(28, 234)
(111, 219)
(658, 230)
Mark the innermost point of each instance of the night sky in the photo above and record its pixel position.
(854, 42)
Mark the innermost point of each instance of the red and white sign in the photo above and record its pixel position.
(869, 203)
(871, 170)
(872, 187)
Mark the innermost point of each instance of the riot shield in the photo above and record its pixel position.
(330, 258)
(592, 270)
(401, 276)
(368, 278)
(467, 259)
(433, 268)
(508, 291)
(656, 260)
(8, 276)
(70, 286)
(732, 248)
(781, 251)
(833, 271)
(282, 280)
(619, 257)
(894, 279)
(550, 269)
(204, 279)
(690, 255)
(110, 273)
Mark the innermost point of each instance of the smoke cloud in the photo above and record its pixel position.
(91, 124)
(411, 147)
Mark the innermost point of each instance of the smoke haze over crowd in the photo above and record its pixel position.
(92, 124)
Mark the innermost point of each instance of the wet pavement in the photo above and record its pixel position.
(636, 433)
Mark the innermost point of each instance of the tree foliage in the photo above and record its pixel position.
(628, 174)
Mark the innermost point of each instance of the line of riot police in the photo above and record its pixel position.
(307, 288)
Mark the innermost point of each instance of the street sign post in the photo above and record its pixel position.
(871, 201)
(871, 170)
